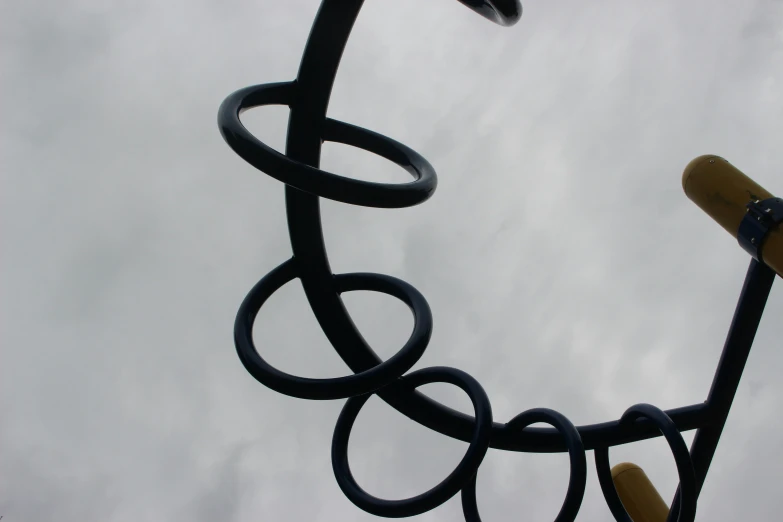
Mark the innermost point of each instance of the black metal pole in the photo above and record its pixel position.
(739, 341)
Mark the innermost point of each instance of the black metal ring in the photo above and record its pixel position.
(576, 453)
(320, 182)
(339, 387)
(682, 458)
(451, 485)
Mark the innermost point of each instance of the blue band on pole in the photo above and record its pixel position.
(761, 217)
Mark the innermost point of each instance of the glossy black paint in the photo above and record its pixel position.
(576, 452)
(313, 180)
(340, 387)
(446, 489)
(308, 127)
(686, 511)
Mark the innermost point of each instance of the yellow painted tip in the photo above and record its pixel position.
(693, 166)
(638, 495)
(622, 467)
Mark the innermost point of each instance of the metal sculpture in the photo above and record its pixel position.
(308, 127)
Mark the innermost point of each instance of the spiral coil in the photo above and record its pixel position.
(307, 97)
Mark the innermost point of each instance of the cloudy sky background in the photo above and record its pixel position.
(564, 265)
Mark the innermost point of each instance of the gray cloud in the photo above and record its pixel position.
(563, 264)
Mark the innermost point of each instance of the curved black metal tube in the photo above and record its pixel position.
(447, 488)
(316, 181)
(687, 508)
(339, 387)
(576, 452)
(298, 168)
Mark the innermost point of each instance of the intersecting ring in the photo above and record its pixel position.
(316, 181)
(576, 453)
(451, 485)
(682, 458)
(341, 387)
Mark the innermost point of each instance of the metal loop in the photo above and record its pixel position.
(339, 387)
(314, 180)
(689, 494)
(576, 453)
(451, 485)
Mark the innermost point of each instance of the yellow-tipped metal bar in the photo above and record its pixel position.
(639, 497)
(723, 191)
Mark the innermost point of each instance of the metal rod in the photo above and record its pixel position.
(739, 341)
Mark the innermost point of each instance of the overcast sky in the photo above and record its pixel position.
(564, 265)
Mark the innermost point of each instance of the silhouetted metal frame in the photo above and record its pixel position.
(308, 127)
